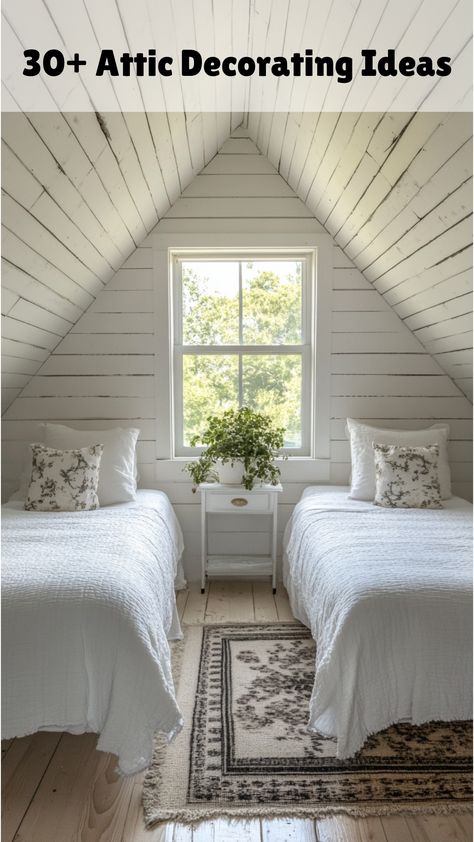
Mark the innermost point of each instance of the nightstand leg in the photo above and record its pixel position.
(203, 542)
(274, 542)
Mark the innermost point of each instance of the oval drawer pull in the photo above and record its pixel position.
(239, 501)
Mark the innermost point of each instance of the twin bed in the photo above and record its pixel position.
(387, 594)
(89, 608)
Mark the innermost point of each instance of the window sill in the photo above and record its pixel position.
(294, 469)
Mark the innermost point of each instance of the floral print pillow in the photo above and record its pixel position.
(407, 477)
(64, 480)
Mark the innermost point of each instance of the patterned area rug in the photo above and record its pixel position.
(244, 692)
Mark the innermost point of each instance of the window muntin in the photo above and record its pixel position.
(242, 336)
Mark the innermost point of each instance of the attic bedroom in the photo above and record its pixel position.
(237, 456)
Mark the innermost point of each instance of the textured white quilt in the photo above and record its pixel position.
(88, 603)
(387, 594)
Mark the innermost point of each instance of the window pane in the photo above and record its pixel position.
(210, 302)
(272, 384)
(272, 302)
(210, 385)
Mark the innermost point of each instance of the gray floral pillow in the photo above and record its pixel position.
(64, 480)
(407, 477)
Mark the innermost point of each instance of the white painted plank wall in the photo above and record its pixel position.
(102, 372)
(395, 191)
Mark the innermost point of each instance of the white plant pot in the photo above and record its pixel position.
(230, 474)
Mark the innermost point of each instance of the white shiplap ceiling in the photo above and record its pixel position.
(81, 190)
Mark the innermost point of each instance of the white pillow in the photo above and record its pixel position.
(117, 475)
(363, 436)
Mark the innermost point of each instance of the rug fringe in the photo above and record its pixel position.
(195, 816)
(153, 776)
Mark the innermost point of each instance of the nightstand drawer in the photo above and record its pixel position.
(240, 502)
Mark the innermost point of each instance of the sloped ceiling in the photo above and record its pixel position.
(395, 191)
(81, 191)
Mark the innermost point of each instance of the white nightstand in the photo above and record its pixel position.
(234, 499)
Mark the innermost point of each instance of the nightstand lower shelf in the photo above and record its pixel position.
(239, 565)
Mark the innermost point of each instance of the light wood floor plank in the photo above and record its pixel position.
(347, 829)
(222, 830)
(230, 602)
(283, 605)
(181, 600)
(22, 770)
(396, 828)
(288, 830)
(181, 833)
(195, 608)
(437, 829)
(6, 746)
(134, 829)
(265, 609)
(81, 796)
(466, 824)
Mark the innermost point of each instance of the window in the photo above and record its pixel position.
(243, 336)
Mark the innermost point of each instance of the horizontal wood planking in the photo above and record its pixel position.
(96, 364)
(24, 430)
(256, 224)
(393, 385)
(133, 301)
(375, 342)
(122, 385)
(108, 343)
(46, 408)
(219, 208)
(120, 323)
(384, 363)
(132, 279)
(233, 164)
(248, 186)
(401, 407)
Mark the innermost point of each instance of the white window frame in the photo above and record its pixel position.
(305, 348)
(164, 244)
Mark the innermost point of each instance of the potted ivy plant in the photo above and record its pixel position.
(245, 441)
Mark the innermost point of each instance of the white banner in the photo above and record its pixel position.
(237, 55)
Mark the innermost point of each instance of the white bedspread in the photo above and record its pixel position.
(88, 603)
(387, 596)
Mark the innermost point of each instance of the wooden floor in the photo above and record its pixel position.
(57, 788)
